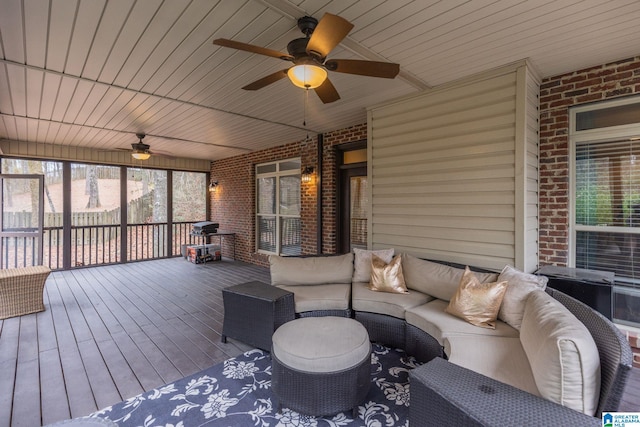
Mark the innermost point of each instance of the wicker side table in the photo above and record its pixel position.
(253, 310)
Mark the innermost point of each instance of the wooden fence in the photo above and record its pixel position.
(138, 210)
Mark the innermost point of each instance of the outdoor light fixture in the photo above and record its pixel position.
(307, 174)
(140, 154)
(213, 185)
(307, 76)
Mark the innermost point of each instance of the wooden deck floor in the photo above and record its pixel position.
(110, 333)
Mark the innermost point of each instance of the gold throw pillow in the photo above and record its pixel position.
(477, 303)
(387, 277)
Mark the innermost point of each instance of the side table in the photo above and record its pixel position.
(253, 311)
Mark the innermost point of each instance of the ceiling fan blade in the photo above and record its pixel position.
(162, 154)
(327, 92)
(329, 32)
(253, 49)
(267, 80)
(363, 68)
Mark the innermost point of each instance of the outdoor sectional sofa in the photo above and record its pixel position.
(554, 359)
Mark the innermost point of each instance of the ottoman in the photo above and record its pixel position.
(321, 365)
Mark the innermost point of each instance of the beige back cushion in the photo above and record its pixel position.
(521, 284)
(316, 270)
(362, 262)
(435, 279)
(563, 356)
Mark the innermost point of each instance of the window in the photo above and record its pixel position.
(605, 171)
(607, 207)
(278, 207)
(96, 226)
(189, 196)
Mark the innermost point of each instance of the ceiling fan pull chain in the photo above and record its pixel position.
(304, 119)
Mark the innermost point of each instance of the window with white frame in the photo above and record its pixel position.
(278, 207)
(605, 142)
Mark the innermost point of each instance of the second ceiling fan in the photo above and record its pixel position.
(309, 56)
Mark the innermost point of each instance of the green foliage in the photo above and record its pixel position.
(593, 206)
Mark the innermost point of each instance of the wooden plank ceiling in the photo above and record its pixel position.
(92, 73)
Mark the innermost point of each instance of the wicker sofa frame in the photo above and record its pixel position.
(457, 396)
(323, 313)
(468, 400)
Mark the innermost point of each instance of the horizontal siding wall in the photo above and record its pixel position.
(11, 148)
(443, 174)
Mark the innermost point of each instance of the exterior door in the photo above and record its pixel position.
(353, 209)
(21, 222)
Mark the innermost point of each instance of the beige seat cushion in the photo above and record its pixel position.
(563, 356)
(432, 319)
(321, 344)
(500, 358)
(435, 279)
(320, 297)
(364, 299)
(312, 270)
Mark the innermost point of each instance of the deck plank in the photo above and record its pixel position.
(26, 409)
(7, 383)
(53, 397)
(109, 333)
(145, 373)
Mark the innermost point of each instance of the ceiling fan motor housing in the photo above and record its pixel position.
(298, 49)
(140, 146)
(307, 24)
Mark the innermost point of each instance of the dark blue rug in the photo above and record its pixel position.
(238, 392)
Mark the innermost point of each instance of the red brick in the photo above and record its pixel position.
(618, 76)
(586, 84)
(574, 78)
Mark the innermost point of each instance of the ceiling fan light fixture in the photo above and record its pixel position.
(307, 76)
(140, 155)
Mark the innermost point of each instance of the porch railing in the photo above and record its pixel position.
(98, 245)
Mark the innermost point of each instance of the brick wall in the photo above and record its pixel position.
(233, 202)
(557, 94)
(330, 179)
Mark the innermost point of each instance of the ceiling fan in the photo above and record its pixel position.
(141, 151)
(309, 56)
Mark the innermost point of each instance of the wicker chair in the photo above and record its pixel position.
(21, 290)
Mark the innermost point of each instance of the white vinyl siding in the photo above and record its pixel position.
(454, 172)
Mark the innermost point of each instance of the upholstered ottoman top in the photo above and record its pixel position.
(321, 344)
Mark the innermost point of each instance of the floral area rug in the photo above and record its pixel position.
(238, 392)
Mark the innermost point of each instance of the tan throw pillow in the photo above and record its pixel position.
(387, 277)
(477, 303)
